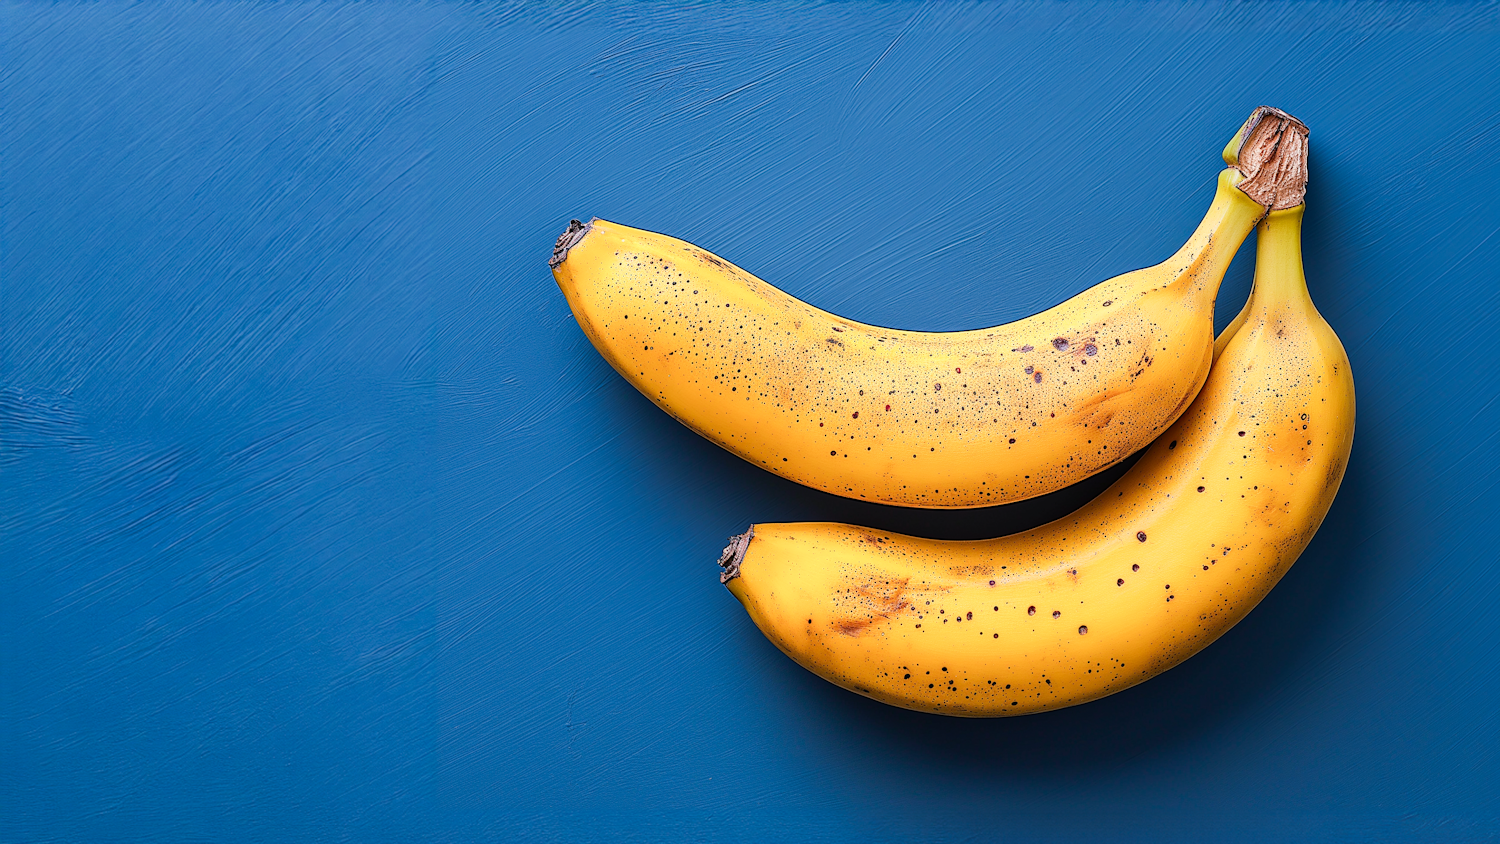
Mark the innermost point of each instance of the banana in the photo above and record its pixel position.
(935, 420)
(1162, 563)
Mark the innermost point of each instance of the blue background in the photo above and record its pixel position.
(321, 520)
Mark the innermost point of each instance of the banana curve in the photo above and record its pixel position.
(920, 419)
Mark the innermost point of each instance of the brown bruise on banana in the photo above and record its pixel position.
(1149, 573)
(957, 419)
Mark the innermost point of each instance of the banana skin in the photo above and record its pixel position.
(919, 419)
(1162, 563)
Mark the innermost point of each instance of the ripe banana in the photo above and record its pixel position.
(1150, 572)
(938, 420)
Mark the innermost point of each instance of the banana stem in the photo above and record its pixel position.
(1229, 220)
(1278, 260)
(1271, 151)
(1267, 172)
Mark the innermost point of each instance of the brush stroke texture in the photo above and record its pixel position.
(321, 520)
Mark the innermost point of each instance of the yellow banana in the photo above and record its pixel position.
(1154, 569)
(939, 420)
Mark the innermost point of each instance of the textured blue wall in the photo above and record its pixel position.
(321, 520)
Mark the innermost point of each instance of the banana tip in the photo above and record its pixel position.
(576, 230)
(734, 554)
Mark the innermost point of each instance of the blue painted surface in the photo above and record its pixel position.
(321, 520)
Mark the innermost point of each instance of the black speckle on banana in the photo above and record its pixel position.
(939, 420)
(1150, 572)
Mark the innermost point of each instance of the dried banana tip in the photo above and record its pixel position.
(568, 239)
(734, 554)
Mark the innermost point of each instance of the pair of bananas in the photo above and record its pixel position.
(1251, 435)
